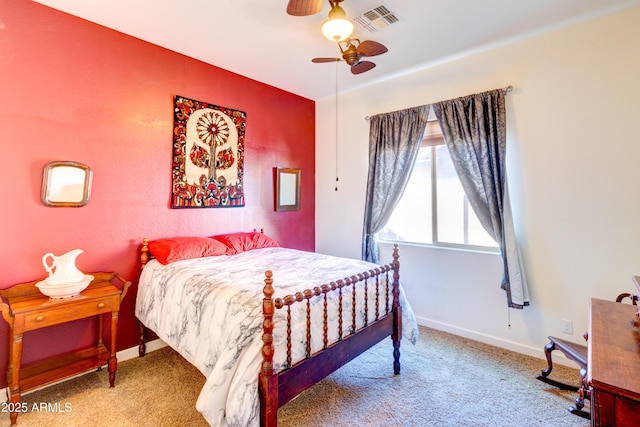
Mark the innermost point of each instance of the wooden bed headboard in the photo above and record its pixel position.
(146, 255)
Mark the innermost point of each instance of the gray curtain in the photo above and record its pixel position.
(394, 140)
(474, 129)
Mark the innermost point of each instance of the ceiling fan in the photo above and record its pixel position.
(353, 52)
(306, 7)
(351, 48)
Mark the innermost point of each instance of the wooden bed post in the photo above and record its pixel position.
(142, 330)
(267, 381)
(142, 339)
(397, 311)
(144, 253)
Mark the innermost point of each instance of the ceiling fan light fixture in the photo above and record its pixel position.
(337, 27)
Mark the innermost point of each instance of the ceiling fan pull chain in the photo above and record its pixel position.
(336, 110)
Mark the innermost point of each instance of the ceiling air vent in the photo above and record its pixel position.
(376, 19)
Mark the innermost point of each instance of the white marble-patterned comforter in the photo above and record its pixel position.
(210, 311)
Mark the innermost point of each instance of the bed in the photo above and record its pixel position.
(263, 323)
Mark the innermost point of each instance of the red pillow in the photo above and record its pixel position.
(179, 248)
(240, 242)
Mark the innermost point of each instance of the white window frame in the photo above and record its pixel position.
(434, 216)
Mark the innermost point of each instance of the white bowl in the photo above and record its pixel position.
(64, 290)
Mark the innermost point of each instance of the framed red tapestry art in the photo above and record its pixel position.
(208, 155)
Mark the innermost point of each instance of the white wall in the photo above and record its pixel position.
(573, 163)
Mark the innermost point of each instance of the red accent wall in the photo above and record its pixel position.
(74, 90)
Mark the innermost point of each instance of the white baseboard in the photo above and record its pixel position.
(132, 352)
(122, 355)
(558, 357)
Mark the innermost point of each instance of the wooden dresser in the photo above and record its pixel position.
(26, 309)
(614, 363)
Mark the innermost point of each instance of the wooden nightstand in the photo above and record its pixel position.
(25, 308)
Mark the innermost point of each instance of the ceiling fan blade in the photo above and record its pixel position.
(371, 48)
(361, 67)
(304, 7)
(321, 60)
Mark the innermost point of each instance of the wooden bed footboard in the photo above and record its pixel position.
(276, 389)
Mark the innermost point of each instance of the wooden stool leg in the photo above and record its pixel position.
(543, 376)
(583, 393)
(548, 349)
(547, 353)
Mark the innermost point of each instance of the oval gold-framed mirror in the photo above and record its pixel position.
(66, 184)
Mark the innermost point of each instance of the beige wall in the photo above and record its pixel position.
(573, 151)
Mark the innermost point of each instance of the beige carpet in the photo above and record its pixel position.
(446, 381)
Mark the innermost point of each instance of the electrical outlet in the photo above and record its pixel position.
(567, 326)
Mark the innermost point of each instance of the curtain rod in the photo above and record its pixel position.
(505, 89)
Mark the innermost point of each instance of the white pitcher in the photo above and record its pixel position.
(63, 268)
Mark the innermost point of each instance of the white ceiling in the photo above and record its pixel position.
(257, 39)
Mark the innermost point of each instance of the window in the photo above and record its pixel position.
(433, 209)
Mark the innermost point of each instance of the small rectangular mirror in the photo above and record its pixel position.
(287, 189)
(66, 183)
